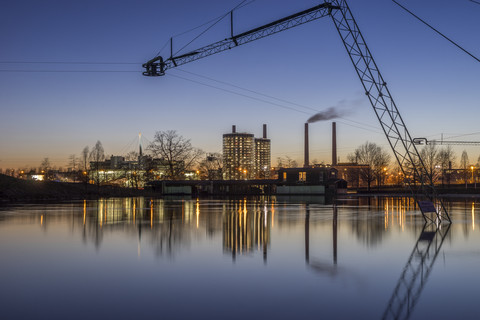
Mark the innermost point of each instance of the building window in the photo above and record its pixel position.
(284, 176)
(302, 176)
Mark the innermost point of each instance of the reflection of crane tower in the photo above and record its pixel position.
(373, 83)
(416, 272)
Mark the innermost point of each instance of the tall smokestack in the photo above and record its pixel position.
(307, 162)
(234, 129)
(334, 144)
(264, 131)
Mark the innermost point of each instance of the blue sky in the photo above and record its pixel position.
(47, 114)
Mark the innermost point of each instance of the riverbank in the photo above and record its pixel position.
(445, 191)
(13, 189)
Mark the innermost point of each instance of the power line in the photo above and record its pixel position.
(216, 20)
(212, 20)
(66, 62)
(66, 71)
(462, 135)
(249, 90)
(269, 102)
(444, 36)
(276, 98)
(211, 26)
(238, 94)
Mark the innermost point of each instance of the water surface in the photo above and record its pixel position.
(278, 258)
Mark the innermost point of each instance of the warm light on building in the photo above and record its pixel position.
(246, 157)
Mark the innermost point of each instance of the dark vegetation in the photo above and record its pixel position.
(13, 189)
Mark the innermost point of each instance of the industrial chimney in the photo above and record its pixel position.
(334, 144)
(234, 129)
(264, 131)
(307, 162)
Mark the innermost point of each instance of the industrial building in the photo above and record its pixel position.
(246, 157)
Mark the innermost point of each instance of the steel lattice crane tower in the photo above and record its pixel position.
(369, 74)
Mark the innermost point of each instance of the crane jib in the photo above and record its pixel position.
(157, 66)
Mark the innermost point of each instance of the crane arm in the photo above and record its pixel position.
(424, 141)
(157, 66)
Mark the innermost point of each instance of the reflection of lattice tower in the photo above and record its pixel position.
(238, 155)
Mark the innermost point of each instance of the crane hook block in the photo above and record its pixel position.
(154, 68)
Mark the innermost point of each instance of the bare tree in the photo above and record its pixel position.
(131, 156)
(429, 155)
(464, 165)
(211, 167)
(45, 168)
(97, 155)
(84, 159)
(45, 165)
(177, 152)
(73, 162)
(446, 159)
(286, 162)
(376, 159)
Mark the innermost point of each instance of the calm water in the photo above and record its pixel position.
(238, 259)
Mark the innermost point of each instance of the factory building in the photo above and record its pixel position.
(246, 157)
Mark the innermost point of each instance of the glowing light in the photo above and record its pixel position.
(473, 215)
(151, 215)
(197, 211)
(134, 211)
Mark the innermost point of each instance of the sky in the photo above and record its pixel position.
(290, 74)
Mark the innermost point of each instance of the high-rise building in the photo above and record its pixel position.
(262, 156)
(245, 157)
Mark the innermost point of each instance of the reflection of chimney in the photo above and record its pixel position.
(264, 131)
(234, 128)
(306, 164)
(334, 144)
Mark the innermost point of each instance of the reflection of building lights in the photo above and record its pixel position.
(134, 211)
(473, 215)
(151, 214)
(197, 211)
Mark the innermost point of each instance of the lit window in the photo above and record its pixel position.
(302, 176)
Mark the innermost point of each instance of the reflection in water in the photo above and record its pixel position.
(416, 271)
(320, 258)
(473, 215)
(245, 228)
(318, 265)
(245, 224)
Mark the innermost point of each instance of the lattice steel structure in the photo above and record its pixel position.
(157, 66)
(424, 141)
(374, 85)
